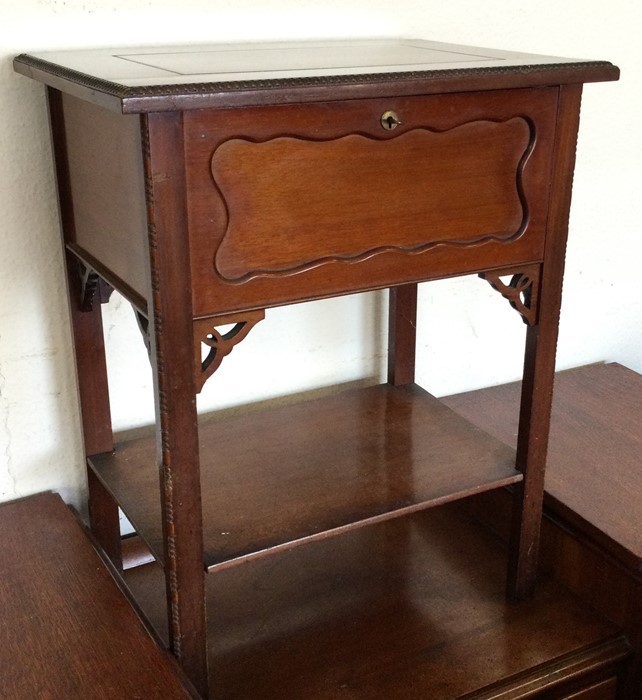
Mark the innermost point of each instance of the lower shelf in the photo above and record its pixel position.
(280, 477)
(408, 609)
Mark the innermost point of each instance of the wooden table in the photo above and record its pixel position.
(208, 184)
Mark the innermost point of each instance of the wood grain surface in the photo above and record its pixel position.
(412, 608)
(295, 202)
(593, 474)
(67, 631)
(281, 476)
(286, 199)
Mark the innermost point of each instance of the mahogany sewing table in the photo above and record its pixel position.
(208, 184)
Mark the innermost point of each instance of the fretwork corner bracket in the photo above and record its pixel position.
(91, 287)
(212, 346)
(521, 291)
(143, 326)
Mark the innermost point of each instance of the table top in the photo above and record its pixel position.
(162, 78)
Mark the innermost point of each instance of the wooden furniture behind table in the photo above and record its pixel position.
(67, 631)
(592, 535)
(207, 184)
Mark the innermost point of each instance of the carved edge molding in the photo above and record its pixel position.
(125, 92)
(166, 475)
(206, 334)
(522, 291)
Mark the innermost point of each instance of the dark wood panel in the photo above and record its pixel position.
(89, 345)
(414, 609)
(539, 356)
(593, 475)
(286, 199)
(108, 192)
(591, 539)
(571, 677)
(402, 334)
(369, 454)
(282, 476)
(317, 220)
(67, 631)
(175, 449)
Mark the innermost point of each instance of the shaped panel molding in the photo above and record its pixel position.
(286, 198)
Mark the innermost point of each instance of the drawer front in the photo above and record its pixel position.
(295, 202)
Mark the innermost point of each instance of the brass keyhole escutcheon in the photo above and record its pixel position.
(390, 120)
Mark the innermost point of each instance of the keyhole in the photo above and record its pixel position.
(389, 120)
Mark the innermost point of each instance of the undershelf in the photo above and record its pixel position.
(412, 608)
(277, 478)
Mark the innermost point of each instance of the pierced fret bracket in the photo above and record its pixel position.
(521, 291)
(143, 327)
(91, 286)
(212, 345)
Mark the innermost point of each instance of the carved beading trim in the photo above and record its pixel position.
(220, 344)
(166, 473)
(125, 93)
(522, 292)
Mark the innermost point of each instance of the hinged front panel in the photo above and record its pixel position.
(296, 202)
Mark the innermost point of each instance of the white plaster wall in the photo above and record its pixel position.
(468, 336)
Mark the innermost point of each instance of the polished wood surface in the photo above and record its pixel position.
(539, 358)
(412, 609)
(172, 358)
(588, 399)
(344, 205)
(438, 214)
(508, 123)
(591, 537)
(107, 190)
(402, 334)
(593, 475)
(228, 75)
(315, 469)
(91, 366)
(393, 198)
(67, 631)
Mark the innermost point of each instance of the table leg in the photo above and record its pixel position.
(539, 363)
(402, 334)
(89, 346)
(172, 356)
